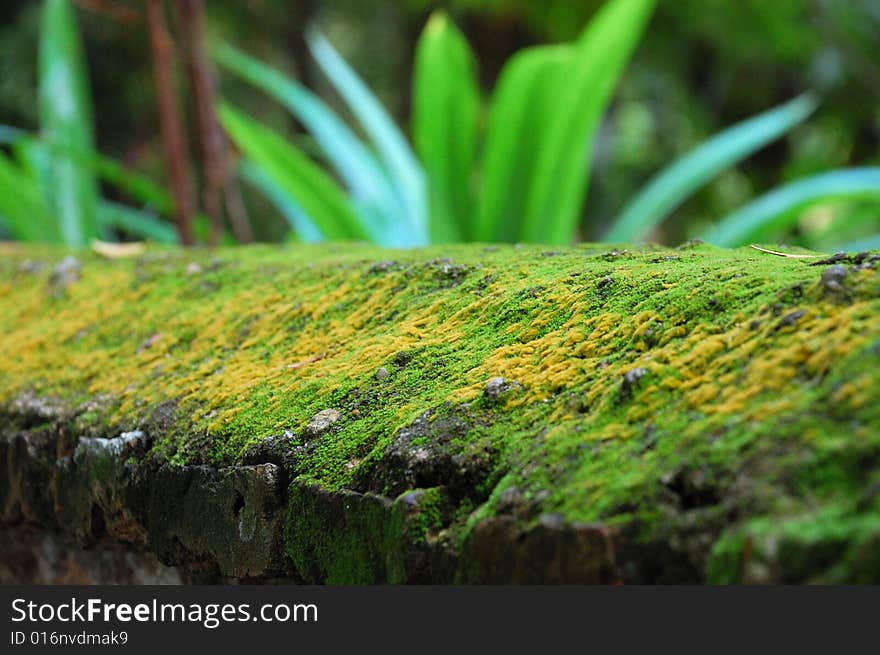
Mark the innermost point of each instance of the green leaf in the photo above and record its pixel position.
(136, 222)
(772, 214)
(296, 217)
(357, 167)
(137, 186)
(312, 189)
(827, 226)
(518, 116)
(559, 183)
(66, 120)
(34, 159)
(446, 108)
(35, 151)
(679, 180)
(408, 178)
(23, 209)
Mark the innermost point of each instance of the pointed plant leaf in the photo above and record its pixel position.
(137, 186)
(66, 119)
(312, 189)
(518, 114)
(136, 222)
(561, 172)
(771, 214)
(674, 184)
(297, 218)
(23, 209)
(37, 155)
(408, 178)
(356, 166)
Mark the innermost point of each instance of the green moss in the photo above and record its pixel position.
(756, 403)
(829, 545)
(350, 540)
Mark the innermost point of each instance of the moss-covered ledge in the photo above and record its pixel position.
(466, 413)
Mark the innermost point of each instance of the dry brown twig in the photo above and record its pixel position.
(171, 121)
(112, 10)
(790, 255)
(191, 17)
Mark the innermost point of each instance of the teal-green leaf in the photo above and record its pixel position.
(679, 180)
(136, 222)
(357, 167)
(298, 220)
(771, 214)
(23, 209)
(312, 189)
(408, 178)
(37, 156)
(867, 243)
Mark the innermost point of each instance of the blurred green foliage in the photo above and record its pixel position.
(703, 65)
(519, 173)
(49, 180)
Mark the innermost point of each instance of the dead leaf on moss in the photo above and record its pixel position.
(117, 250)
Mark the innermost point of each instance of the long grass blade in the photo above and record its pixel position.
(137, 186)
(23, 209)
(296, 217)
(356, 166)
(773, 213)
(318, 195)
(66, 119)
(677, 182)
(35, 151)
(136, 222)
(406, 173)
(562, 169)
(518, 114)
(446, 111)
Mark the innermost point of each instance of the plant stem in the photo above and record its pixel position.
(212, 139)
(173, 138)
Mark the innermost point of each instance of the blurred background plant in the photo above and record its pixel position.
(49, 182)
(698, 68)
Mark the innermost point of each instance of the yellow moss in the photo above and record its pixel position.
(855, 394)
(616, 431)
(141, 343)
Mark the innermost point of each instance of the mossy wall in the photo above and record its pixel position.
(663, 414)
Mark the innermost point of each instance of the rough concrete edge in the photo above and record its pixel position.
(249, 523)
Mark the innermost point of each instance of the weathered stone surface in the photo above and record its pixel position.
(458, 415)
(321, 422)
(43, 557)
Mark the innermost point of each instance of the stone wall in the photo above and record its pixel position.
(466, 414)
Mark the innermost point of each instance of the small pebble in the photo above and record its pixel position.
(833, 277)
(497, 387)
(631, 380)
(321, 422)
(65, 273)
